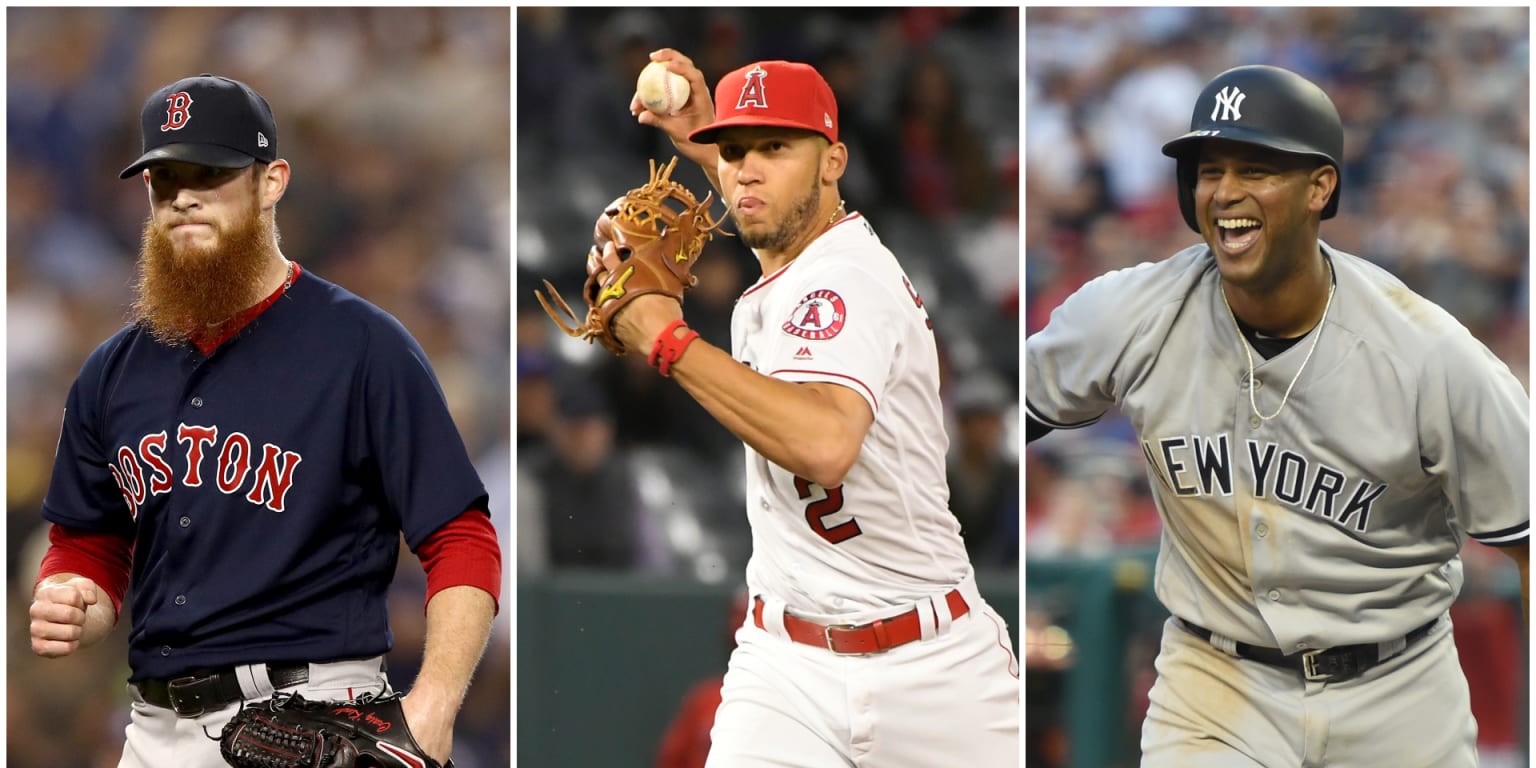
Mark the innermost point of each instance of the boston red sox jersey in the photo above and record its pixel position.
(1340, 520)
(844, 312)
(265, 486)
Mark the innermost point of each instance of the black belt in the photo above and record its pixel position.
(197, 693)
(1338, 663)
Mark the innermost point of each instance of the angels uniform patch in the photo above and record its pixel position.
(818, 317)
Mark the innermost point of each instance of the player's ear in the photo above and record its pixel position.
(1322, 184)
(272, 182)
(834, 161)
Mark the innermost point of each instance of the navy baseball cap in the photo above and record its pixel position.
(207, 120)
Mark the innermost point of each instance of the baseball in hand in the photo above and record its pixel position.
(660, 90)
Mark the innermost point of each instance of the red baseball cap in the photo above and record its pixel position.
(782, 93)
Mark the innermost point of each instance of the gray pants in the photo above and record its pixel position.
(156, 737)
(1212, 710)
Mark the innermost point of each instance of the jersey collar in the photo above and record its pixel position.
(215, 337)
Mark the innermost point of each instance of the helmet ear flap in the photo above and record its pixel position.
(1186, 181)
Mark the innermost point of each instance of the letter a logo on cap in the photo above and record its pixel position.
(179, 111)
(752, 93)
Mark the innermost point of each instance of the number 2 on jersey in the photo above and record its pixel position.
(830, 504)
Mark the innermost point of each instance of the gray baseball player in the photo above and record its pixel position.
(1320, 442)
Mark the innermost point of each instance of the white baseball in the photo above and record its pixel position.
(661, 91)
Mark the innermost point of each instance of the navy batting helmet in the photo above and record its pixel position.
(1267, 106)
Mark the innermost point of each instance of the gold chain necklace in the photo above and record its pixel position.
(1248, 349)
(835, 214)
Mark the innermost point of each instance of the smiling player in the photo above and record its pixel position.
(1320, 442)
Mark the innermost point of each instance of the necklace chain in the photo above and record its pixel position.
(1248, 349)
(837, 214)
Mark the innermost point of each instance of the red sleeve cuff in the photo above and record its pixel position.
(105, 558)
(464, 552)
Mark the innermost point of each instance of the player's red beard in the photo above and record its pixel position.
(801, 216)
(181, 289)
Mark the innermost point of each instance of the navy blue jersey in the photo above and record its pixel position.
(266, 485)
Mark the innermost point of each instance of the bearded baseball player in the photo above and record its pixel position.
(242, 459)
(1320, 442)
(866, 642)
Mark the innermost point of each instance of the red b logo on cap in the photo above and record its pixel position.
(177, 115)
(752, 94)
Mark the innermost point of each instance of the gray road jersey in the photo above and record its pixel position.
(1340, 520)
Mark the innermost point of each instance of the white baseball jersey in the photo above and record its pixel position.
(1340, 520)
(844, 312)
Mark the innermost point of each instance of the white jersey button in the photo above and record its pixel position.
(763, 500)
(1262, 530)
(1258, 383)
(181, 599)
(1254, 421)
(185, 521)
(197, 402)
(165, 650)
(1274, 594)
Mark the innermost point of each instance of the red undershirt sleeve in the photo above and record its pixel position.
(105, 558)
(464, 552)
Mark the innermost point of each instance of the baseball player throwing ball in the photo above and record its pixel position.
(866, 642)
(1320, 441)
(243, 458)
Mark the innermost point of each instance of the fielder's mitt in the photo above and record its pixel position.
(290, 731)
(641, 245)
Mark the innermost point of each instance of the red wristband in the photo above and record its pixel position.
(669, 348)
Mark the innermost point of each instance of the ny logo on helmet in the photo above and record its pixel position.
(1229, 104)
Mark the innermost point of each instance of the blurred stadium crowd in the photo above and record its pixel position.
(617, 467)
(396, 122)
(1435, 189)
